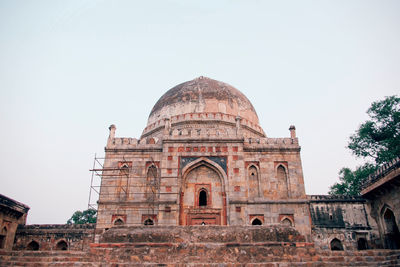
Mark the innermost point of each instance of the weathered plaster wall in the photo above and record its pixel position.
(389, 198)
(343, 218)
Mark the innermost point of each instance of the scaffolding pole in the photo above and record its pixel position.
(121, 174)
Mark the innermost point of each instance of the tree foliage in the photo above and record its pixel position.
(350, 181)
(82, 217)
(378, 139)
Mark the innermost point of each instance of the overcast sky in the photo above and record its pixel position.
(69, 69)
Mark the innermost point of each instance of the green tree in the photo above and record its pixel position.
(378, 139)
(350, 181)
(82, 217)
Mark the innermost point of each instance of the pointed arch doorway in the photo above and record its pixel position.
(392, 234)
(202, 194)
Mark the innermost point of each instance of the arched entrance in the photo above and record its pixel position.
(256, 222)
(392, 235)
(3, 236)
(33, 245)
(202, 196)
(62, 245)
(336, 244)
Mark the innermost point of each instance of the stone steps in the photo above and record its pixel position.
(37, 264)
(46, 258)
(201, 256)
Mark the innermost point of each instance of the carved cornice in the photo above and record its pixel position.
(143, 149)
(271, 149)
(143, 203)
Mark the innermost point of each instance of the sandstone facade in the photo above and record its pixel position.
(203, 159)
(204, 185)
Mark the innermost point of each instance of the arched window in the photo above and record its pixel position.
(33, 245)
(118, 222)
(3, 236)
(62, 245)
(152, 172)
(392, 235)
(151, 183)
(286, 222)
(148, 222)
(256, 221)
(122, 189)
(253, 182)
(124, 169)
(336, 244)
(203, 197)
(282, 181)
(362, 243)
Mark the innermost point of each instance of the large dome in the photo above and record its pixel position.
(203, 95)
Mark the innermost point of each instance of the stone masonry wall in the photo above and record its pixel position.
(341, 218)
(247, 185)
(277, 246)
(47, 236)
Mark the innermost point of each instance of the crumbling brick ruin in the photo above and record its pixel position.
(204, 184)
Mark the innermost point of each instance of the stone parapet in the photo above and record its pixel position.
(335, 198)
(56, 227)
(271, 144)
(202, 234)
(384, 174)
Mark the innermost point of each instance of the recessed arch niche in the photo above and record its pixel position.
(254, 181)
(202, 194)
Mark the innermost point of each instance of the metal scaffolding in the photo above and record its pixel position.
(121, 175)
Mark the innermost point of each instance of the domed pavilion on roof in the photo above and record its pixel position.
(203, 159)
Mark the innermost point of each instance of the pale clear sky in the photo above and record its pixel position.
(69, 69)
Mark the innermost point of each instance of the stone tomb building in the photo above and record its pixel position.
(203, 159)
(205, 184)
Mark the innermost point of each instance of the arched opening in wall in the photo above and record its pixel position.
(122, 189)
(203, 198)
(202, 195)
(62, 245)
(392, 236)
(148, 222)
(253, 182)
(336, 244)
(3, 236)
(282, 181)
(362, 244)
(33, 245)
(256, 221)
(118, 222)
(286, 222)
(151, 184)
